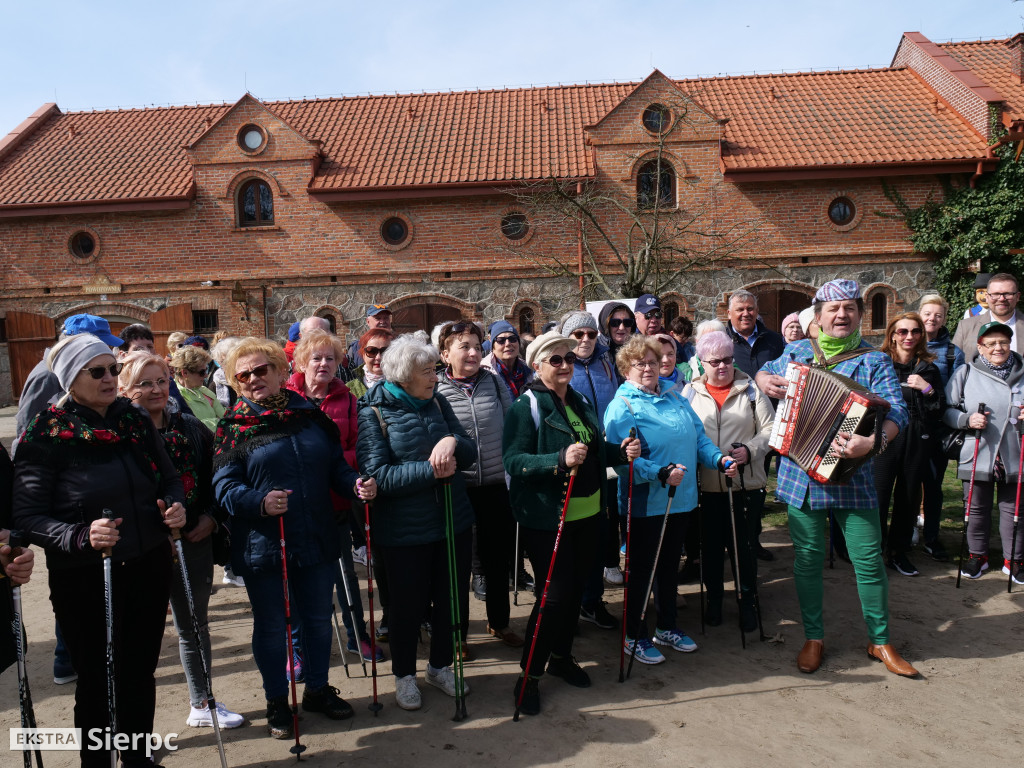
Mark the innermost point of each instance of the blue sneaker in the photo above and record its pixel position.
(676, 639)
(644, 651)
(364, 649)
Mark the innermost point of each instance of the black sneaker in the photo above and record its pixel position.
(279, 718)
(600, 616)
(569, 670)
(748, 616)
(479, 588)
(937, 551)
(975, 566)
(901, 563)
(526, 582)
(1014, 570)
(531, 696)
(764, 554)
(328, 702)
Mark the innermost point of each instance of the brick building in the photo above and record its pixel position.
(246, 217)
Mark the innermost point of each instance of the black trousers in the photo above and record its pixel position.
(419, 580)
(643, 543)
(495, 541)
(141, 589)
(717, 532)
(899, 474)
(573, 562)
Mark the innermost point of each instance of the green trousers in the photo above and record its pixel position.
(864, 542)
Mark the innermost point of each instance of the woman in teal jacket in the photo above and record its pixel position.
(672, 442)
(550, 431)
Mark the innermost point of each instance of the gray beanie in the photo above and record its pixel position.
(577, 319)
(68, 358)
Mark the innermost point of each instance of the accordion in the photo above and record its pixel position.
(818, 405)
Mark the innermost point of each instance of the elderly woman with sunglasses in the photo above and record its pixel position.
(89, 453)
(145, 380)
(551, 432)
(734, 412)
(912, 457)
(504, 359)
(372, 346)
(672, 443)
(277, 459)
(190, 365)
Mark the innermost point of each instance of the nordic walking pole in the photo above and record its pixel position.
(350, 604)
(375, 706)
(970, 495)
(746, 509)
(654, 567)
(625, 573)
(544, 594)
(736, 562)
(341, 645)
(455, 615)
(211, 702)
(1016, 507)
(28, 715)
(299, 748)
(108, 604)
(515, 570)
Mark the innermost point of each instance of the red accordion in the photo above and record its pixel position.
(818, 405)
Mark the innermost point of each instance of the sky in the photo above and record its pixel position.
(108, 55)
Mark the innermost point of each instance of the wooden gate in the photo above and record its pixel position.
(168, 320)
(417, 317)
(28, 336)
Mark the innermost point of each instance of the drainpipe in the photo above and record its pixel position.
(976, 176)
(579, 248)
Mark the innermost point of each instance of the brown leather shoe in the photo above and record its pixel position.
(810, 655)
(506, 635)
(892, 660)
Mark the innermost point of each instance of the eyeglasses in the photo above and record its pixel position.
(503, 340)
(646, 364)
(259, 372)
(906, 331)
(1003, 296)
(654, 314)
(715, 363)
(584, 334)
(99, 371)
(569, 358)
(152, 384)
(993, 345)
(374, 351)
(627, 322)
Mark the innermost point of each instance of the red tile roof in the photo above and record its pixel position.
(990, 60)
(789, 121)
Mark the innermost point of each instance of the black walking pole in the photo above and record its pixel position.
(515, 570)
(298, 748)
(970, 495)
(351, 605)
(736, 562)
(28, 714)
(625, 573)
(204, 662)
(454, 613)
(746, 511)
(1016, 508)
(650, 581)
(108, 604)
(375, 706)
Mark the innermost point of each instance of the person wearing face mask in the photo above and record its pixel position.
(838, 310)
(504, 359)
(616, 323)
(1002, 295)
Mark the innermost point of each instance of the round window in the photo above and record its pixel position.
(657, 118)
(394, 231)
(514, 226)
(251, 138)
(841, 211)
(83, 245)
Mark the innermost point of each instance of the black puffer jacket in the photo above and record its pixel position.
(409, 509)
(62, 488)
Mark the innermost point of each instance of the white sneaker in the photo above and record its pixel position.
(230, 578)
(445, 680)
(359, 555)
(407, 693)
(915, 537)
(614, 576)
(200, 717)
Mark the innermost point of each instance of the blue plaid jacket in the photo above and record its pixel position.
(875, 371)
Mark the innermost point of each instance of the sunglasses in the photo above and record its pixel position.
(259, 372)
(584, 334)
(569, 358)
(715, 363)
(616, 322)
(908, 331)
(653, 314)
(373, 351)
(99, 371)
(503, 340)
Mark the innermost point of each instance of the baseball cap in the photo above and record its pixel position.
(94, 325)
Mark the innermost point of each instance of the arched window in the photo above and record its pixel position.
(670, 310)
(526, 320)
(879, 311)
(255, 204)
(656, 185)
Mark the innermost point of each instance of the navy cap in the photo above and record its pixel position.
(647, 303)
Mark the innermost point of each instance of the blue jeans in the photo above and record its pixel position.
(199, 560)
(311, 588)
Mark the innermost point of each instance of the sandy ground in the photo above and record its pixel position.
(720, 706)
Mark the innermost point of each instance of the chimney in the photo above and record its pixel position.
(1016, 46)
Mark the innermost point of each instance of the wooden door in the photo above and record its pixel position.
(28, 336)
(417, 317)
(168, 320)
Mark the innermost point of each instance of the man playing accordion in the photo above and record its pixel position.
(838, 309)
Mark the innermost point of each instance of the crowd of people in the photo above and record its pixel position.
(604, 451)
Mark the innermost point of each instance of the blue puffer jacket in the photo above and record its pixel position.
(309, 462)
(594, 378)
(409, 509)
(670, 432)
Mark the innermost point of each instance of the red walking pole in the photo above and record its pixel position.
(1016, 508)
(298, 749)
(625, 573)
(970, 495)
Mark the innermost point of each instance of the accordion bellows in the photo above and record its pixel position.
(819, 405)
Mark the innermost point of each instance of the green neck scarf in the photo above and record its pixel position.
(832, 347)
